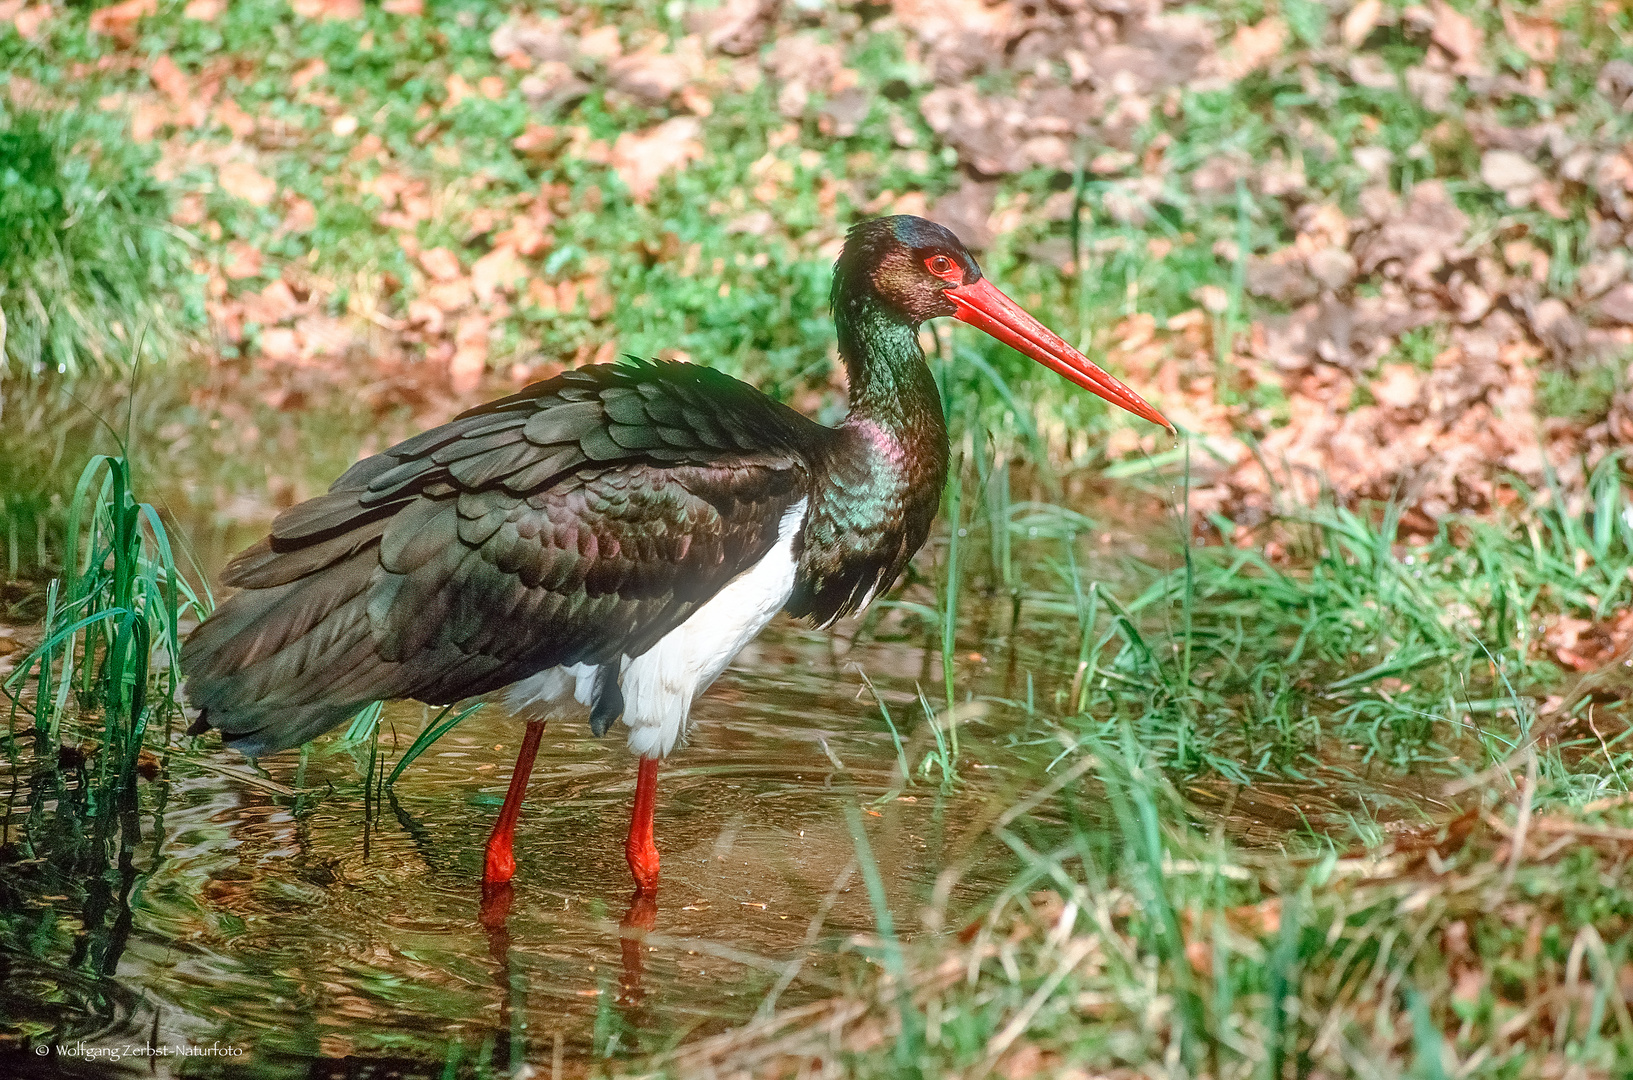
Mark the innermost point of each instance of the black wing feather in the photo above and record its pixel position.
(576, 522)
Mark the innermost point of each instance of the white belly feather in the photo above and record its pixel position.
(659, 685)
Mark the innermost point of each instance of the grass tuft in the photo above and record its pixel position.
(88, 258)
(112, 627)
(110, 638)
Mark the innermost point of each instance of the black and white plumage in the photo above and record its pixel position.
(615, 534)
(574, 524)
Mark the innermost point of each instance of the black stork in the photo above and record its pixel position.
(612, 536)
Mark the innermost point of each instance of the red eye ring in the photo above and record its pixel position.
(944, 268)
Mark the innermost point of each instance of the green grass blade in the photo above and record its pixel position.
(433, 731)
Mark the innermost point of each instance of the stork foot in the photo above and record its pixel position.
(643, 864)
(499, 864)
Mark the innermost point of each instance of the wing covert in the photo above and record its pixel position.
(574, 523)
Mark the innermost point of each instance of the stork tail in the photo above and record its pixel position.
(279, 665)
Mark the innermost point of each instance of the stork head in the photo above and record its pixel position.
(917, 270)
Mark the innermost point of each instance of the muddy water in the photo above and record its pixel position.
(306, 921)
(299, 920)
(302, 921)
(293, 916)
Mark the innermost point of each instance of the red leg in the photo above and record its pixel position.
(640, 849)
(501, 861)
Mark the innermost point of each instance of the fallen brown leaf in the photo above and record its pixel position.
(967, 211)
(146, 118)
(521, 42)
(119, 21)
(551, 79)
(242, 261)
(29, 20)
(1398, 386)
(170, 80)
(1257, 920)
(190, 210)
(308, 71)
(1505, 169)
(602, 44)
(328, 9)
(241, 180)
(458, 90)
(697, 100)
(1457, 34)
(441, 264)
(300, 216)
(739, 27)
(542, 295)
(1545, 193)
(234, 119)
(1253, 47)
(804, 64)
(598, 299)
(1359, 22)
(650, 76)
(425, 317)
(498, 270)
(272, 305)
(470, 358)
(280, 344)
(1617, 305)
(539, 141)
(324, 335)
(1537, 38)
(450, 296)
(641, 159)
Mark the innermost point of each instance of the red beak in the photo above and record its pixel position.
(984, 307)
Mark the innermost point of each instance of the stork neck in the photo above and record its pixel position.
(882, 471)
(890, 384)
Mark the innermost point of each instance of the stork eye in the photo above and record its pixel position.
(943, 267)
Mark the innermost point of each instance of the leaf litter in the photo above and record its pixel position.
(1435, 239)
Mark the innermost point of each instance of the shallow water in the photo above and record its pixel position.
(306, 922)
(314, 923)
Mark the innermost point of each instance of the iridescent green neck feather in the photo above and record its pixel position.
(890, 384)
(880, 479)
